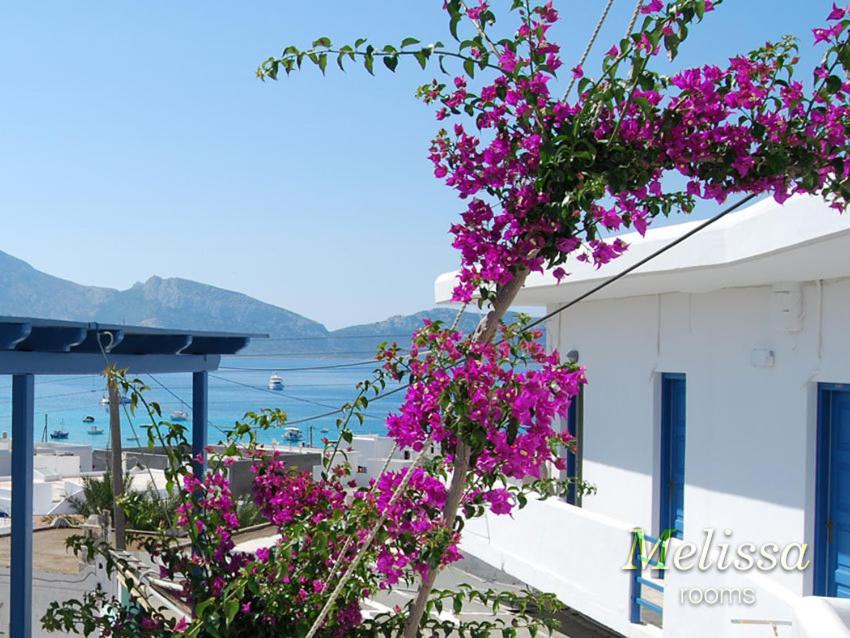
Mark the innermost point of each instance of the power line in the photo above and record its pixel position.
(58, 396)
(286, 395)
(303, 368)
(383, 395)
(334, 337)
(645, 260)
(324, 353)
(590, 292)
(167, 389)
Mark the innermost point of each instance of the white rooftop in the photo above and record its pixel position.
(765, 243)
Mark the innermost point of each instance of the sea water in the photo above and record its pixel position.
(313, 386)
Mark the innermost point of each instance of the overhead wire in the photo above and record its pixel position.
(611, 280)
(160, 501)
(335, 337)
(283, 394)
(260, 355)
(645, 260)
(300, 369)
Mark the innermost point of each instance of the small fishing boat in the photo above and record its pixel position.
(325, 430)
(59, 433)
(179, 415)
(94, 430)
(276, 382)
(88, 419)
(292, 434)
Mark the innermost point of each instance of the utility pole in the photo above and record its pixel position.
(118, 521)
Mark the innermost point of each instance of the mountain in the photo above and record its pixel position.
(162, 303)
(184, 304)
(27, 291)
(181, 303)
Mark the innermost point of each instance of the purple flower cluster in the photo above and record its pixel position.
(746, 127)
(506, 395)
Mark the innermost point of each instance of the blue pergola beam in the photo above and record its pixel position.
(98, 341)
(152, 344)
(53, 338)
(20, 614)
(11, 334)
(221, 345)
(31, 346)
(200, 416)
(71, 363)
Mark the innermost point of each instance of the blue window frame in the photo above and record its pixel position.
(575, 426)
(832, 503)
(672, 470)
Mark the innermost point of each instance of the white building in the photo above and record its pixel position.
(368, 456)
(714, 403)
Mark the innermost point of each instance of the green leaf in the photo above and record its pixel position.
(469, 67)
(231, 608)
(457, 605)
(409, 42)
(833, 84)
(322, 42)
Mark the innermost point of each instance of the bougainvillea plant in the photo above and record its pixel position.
(546, 178)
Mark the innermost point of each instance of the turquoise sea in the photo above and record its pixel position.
(313, 386)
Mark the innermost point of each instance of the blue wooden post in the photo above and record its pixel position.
(200, 416)
(20, 615)
(637, 572)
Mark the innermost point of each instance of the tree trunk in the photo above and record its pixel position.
(485, 331)
(118, 521)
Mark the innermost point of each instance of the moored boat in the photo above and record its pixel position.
(179, 415)
(275, 382)
(122, 400)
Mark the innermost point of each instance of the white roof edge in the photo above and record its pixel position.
(763, 230)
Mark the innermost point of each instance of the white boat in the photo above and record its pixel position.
(276, 382)
(179, 415)
(292, 434)
(122, 400)
(94, 430)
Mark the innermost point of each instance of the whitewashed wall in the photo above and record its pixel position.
(750, 450)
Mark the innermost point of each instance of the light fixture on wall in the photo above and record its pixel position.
(572, 356)
(762, 358)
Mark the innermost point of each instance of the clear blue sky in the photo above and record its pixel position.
(136, 141)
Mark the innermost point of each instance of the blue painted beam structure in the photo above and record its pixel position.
(31, 346)
(200, 416)
(72, 363)
(20, 604)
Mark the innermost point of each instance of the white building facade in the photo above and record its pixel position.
(718, 404)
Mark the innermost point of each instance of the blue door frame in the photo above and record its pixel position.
(575, 428)
(672, 470)
(832, 492)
